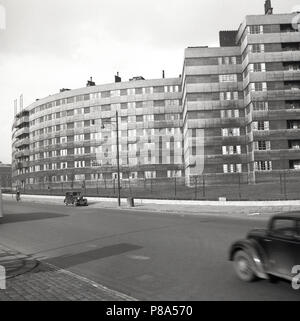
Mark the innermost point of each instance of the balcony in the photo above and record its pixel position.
(23, 153)
(22, 142)
(20, 121)
(22, 131)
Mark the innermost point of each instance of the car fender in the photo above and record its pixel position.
(256, 253)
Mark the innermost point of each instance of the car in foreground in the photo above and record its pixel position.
(269, 253)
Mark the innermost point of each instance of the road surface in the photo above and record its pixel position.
(148, 256)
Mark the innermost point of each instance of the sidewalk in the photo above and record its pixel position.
(228, 209)
(31, 280)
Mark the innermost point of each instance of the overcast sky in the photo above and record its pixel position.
(52, 44)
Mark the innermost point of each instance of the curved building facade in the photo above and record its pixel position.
(71, 136)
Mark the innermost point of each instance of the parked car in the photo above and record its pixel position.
(75, 198)
(269, 253)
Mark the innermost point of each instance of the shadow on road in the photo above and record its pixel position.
(24, 217)
(66, 261)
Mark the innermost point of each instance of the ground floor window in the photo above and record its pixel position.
(263, 165)
(232, 168)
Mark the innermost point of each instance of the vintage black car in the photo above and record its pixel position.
(75, 198)
(269, 253)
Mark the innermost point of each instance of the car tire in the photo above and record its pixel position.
(243, 266)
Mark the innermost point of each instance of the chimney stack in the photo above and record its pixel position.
(268, 7)
(117, 78)
(90, 82)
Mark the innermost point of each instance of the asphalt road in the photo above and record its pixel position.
(148, 256)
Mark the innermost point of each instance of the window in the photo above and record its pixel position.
(227, 61)
(230, 132)
(263, 165)
(229, 95)
(148, 118)
(228, 78)
(132, 133)
(260, 105)
(79, 124)
(294, 144)
(231, 150)
(105, 108)
(284, 228)
(257, 67)
(115, 176)
(232, 168)
(79, 177)
(258, 86)
(150, 174)
(295, 164)
(262, 145)
(115, 93)
(78, 111)
(230, 113)
(78, 164)
(171, 89)
(257, 48)
(174, 173)
(105, 94)
(260, 125)
(63, 139)
(131, 91)
(79, 151)
(79, 138)
(63, 165)
(256, 29)
(293, 124)
(133, 175)
(148, 90)
(63, 152)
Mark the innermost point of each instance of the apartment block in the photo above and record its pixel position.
(234, 113)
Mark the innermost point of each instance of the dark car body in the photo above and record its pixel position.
(273, 251)
(75, 198)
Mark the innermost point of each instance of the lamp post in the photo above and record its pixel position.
(118, 156)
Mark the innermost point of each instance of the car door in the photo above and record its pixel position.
(281, 246)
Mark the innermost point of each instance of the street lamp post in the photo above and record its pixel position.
(118, 160)
(118, 157)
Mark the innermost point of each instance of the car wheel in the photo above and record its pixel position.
(243, 266)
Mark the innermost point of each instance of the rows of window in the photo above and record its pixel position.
(105, 135)
(102, 177)
(105, 108)
(93, 122)
(107, 94)
(150, 159)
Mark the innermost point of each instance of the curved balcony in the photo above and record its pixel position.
(23, 153)
(22, 142)
(22, 131)
(20, 121)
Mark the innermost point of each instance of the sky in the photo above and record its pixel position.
(46, 45)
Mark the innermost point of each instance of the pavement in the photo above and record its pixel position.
(94, 253)
(30, 280)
